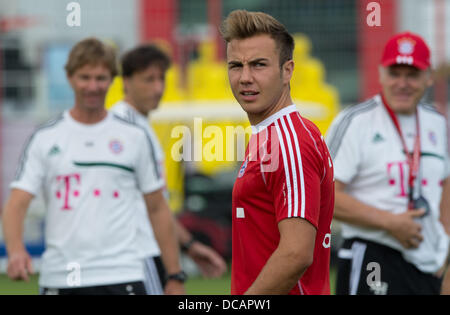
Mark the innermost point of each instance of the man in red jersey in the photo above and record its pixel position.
(283, 198)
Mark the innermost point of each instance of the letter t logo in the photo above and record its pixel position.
(66, 180)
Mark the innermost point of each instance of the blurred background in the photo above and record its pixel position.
(338, 47)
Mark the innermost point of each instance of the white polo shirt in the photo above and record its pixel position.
(145, 231)
(90, 176)
(368, 156)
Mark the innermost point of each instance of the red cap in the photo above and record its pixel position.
(406, 49)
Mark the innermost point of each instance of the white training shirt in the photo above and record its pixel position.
(145, 231)
(368, 156)
(90, 176)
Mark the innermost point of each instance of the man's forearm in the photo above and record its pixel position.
(402, 226)
(12, 220)
(353, 211)
(164, 228)
(445, 205)
(183, 235)
(280, 274)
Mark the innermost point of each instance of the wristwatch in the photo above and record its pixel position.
(179, 276)
(185, 247)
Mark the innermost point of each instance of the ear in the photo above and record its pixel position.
(126, 83)
(69, 79)
(381, 74)
(288, 70)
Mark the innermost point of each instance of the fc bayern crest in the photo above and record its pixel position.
(432, 137)
(243, 167)
(116, 146)
(406, 46)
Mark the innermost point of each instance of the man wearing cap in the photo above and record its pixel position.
(391, 171)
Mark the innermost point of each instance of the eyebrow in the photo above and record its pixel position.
(254, 61)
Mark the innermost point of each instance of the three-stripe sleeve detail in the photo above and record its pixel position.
(343, 125)
(286, 169)
(24, 156)
(292, 162)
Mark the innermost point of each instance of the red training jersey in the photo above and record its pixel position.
(287, 172)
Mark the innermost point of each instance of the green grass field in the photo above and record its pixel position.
(194, 286)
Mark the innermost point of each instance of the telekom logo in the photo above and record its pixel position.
(68, 181)
(70, 188)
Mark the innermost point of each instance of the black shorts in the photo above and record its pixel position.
(368, 268)
(130, 288)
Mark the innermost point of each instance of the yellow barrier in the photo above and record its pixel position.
(207, 79)
(308, 84)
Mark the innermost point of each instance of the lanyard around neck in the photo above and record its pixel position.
(412, 158)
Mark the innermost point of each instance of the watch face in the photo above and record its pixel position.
(422, 203)
(181, 276)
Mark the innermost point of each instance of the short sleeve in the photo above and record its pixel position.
(447, 167)
(446, 158)
(148, 171)
(295, 182)
(343, 144)
(30, 171)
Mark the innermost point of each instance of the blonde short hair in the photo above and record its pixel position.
(91, 51)
(241, 24)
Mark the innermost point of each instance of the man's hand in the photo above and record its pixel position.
(19, 265)
(174, 287)
(13, 216)
(210, 263)
(405, 229)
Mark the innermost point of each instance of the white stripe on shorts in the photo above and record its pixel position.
(152, 282)
(358, 251)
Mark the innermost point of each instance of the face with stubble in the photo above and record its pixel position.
(145, 88)
(403, 86)
(90, 84)
(258, 82)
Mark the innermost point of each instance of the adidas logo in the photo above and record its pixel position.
(377, 138)
(54, 150)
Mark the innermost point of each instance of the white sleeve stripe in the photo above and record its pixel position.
(263, 158)
(293, 169)
(300, 287)
(300, 167)
(286, 170)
